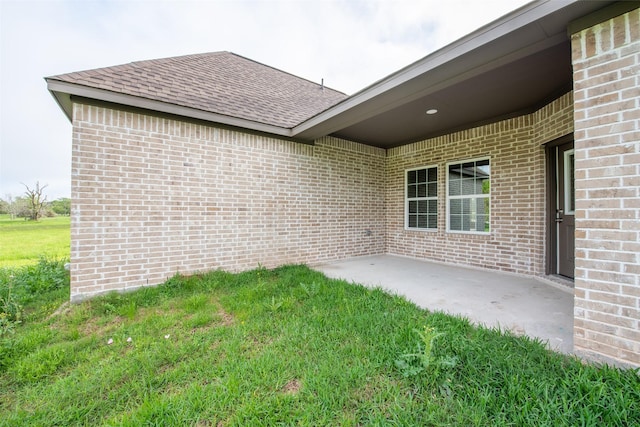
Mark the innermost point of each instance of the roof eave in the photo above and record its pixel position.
(363, 105)
(63, 91)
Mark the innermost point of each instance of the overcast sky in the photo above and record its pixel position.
(351, 44)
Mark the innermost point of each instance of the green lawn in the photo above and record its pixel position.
(286, 347)
(24, 242)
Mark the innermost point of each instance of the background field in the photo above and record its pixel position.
(24, 242)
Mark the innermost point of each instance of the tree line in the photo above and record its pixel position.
(33, 205)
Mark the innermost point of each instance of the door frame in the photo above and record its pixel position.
(551, 185)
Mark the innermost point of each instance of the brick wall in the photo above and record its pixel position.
(154, 196)
(515, 147)
(606, 63)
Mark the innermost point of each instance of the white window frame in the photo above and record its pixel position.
(429, 198)
(465, 196)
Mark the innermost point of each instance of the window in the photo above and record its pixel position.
(468, 196)
(569, 183)
(422, 199)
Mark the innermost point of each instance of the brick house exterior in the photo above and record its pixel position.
(160, 188)
(156, 196)
(516, 150)
(606, 64)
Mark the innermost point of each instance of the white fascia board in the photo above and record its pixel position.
(57, 87)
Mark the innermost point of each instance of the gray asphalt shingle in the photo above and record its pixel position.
(218, 82)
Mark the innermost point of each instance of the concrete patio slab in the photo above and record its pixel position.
(522, 305)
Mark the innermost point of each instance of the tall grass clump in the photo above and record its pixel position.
(29, 289)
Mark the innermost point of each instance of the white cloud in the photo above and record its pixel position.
(350, 44)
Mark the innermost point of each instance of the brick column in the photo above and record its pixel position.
(606, 64)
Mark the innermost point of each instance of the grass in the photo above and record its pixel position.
(287, 347)
(24, 242)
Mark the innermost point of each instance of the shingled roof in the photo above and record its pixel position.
(221, 83)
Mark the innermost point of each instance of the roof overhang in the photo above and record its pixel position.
(63, 92)
(510, 67)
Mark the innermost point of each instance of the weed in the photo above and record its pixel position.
(128, 310)
(7, 326)
(412, 364)
(107, 307)
(30, 282)
(273, 305)
(11, 310)
(9, 305)
(311, 290)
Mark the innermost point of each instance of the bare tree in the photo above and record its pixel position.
(36, 200)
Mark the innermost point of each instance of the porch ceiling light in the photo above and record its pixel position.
(432, 111)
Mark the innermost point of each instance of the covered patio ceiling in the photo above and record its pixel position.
(510, 67)
(511, 90)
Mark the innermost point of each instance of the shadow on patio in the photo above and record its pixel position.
(522, 305)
